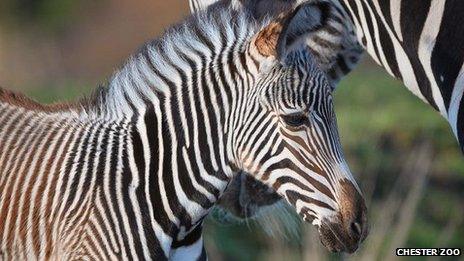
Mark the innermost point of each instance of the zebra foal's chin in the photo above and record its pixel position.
(132, 172)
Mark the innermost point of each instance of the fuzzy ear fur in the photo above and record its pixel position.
(267, 41)
(293, 21)
(282, 35)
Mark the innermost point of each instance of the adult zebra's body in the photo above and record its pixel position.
(132, 172)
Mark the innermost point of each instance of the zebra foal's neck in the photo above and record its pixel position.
(179, 92)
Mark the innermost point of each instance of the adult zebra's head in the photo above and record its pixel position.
(286, 137)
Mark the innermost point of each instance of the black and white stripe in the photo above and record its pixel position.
(420, 43)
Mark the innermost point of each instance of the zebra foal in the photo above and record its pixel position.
(131, 172)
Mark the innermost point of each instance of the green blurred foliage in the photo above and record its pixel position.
(47, 14)
(373, 108)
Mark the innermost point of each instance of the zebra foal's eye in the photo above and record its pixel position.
(295, 119)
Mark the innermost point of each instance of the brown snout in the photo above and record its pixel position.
(349, 228)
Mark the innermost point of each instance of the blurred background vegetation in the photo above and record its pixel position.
(403, 153)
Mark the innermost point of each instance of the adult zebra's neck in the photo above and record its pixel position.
(394, 42)
(420, 43)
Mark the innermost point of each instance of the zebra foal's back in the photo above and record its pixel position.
(52, 164)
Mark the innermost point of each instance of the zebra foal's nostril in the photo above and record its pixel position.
(356, 221)
(356, 229)
(353, 217)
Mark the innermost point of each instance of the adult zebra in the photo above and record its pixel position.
(419, 42)
(132, 172)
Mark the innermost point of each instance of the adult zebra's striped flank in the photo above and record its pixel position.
(421, 44)
(131, 172)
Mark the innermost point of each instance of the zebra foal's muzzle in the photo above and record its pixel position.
(349, 227)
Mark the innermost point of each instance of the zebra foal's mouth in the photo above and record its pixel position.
(344, 232)
(349, 228)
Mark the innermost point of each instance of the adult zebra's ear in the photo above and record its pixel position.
(201, 5)
(288, 31)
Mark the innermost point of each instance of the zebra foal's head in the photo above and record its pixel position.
(287, 138)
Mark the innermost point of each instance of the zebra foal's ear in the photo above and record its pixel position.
(283, 34)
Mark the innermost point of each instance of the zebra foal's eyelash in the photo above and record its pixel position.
(298, 119)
